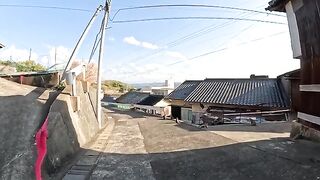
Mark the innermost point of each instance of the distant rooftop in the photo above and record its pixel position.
(182, 91)
(132, 97)
(151, 100)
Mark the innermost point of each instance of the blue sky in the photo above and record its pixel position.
(141, 52)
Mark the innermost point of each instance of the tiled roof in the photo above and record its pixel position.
(277, 5)
(247, 92)
(107, 98)
(151, 100)
(132, 97)
(182, 91)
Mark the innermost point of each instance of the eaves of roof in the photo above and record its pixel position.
(277, 5)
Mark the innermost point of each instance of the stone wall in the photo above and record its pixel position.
(301, 131)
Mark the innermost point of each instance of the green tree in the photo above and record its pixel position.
(29, 66)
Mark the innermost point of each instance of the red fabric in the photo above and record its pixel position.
(21, 79)
(41, 141)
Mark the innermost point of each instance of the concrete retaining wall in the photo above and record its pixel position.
(299, 130)
(68, 130)
(22, 111)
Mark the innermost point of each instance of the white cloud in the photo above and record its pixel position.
(149, 45)
(16, 54)
(46, 59)
(133, 41)
(175, 54)
(58, 54)
(242, 55)
(63, 54)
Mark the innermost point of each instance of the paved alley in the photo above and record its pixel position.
(125, 156)
(145, 147)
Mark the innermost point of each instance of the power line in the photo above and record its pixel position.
(239, 33)
(183, 39)
(178, 41)
(95, 45)
(211, 52)
(45, 7)
(196, 18)
(193, 35)
(193, 5)
(190, 36)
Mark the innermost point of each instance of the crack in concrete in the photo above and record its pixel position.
(17, 156)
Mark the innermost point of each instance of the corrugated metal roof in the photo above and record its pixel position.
(151, 100)
(182, 91)
(248, 92)
(132, 97)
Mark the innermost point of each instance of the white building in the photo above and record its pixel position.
(164, 90)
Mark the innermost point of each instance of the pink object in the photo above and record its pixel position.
(41, 141)
(21, 79)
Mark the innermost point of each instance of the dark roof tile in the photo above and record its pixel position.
(182, 91)
(151, 100)
(247, 92)
(132, 97)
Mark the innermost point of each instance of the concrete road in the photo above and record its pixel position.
(145, 147)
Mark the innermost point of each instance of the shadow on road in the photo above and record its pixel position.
(263, 160)
(270, 127)
(130, 113)
(187, 153)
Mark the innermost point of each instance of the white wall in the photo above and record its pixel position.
(294, 31)
(186, 114)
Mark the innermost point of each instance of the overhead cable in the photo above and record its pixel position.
(190, 36)
(211, 52)
(45, 7)
(193, 5)
(196, 18)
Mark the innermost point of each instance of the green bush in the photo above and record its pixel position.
(24, 66)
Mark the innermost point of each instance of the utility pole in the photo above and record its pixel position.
(103, 26)
(30, 54)
(79, 43)
(55, 57)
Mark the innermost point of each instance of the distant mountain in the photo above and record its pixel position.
(149, 85)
